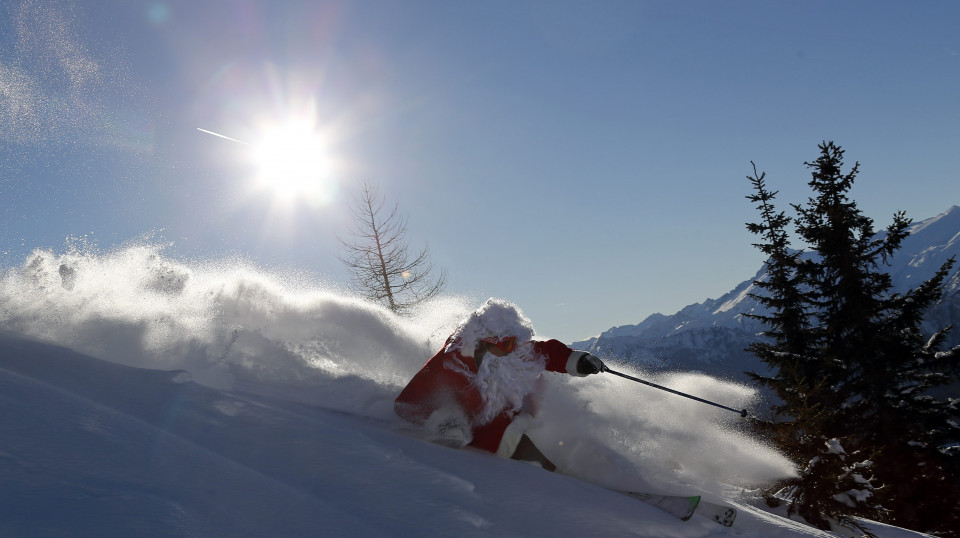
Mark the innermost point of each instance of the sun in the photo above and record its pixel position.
(292, 162)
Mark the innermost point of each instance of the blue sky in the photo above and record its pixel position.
(585, 160)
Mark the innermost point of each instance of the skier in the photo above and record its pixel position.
(478, 390)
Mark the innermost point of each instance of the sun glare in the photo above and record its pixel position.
(291, 162)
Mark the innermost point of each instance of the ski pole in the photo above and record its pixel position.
(741, 412)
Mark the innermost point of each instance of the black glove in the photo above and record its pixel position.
(589, 364)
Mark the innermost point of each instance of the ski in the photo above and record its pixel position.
(720, 513)
(680, 506)
(685, 506)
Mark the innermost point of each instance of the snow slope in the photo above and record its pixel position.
(145, 397)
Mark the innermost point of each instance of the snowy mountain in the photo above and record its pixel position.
(145, 397)
(711, 336)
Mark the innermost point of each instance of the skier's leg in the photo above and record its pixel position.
(517, 445)
(527, 451)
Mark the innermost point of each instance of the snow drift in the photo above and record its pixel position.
(273, 394)
(236, 327)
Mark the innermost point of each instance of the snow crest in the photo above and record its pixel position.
(230, 324)
(235, 327)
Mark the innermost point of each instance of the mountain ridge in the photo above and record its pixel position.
(711, 336)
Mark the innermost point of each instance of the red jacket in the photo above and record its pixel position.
(442, 382)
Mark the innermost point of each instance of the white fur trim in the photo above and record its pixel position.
(513, 433)
(572, 363)
(496, 317)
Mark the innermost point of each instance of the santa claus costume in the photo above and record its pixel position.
(476, 390)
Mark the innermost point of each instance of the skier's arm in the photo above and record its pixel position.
(561, 358)
(418, 400)
(436, 386)
(410, 406)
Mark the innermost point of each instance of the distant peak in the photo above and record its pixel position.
(949, 219)
(951, 214)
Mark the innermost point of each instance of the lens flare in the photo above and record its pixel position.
(292, 162)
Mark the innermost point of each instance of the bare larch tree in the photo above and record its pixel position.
(378, 258)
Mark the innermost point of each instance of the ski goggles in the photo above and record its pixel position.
(503, 343)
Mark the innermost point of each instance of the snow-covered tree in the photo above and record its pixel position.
(856, 376)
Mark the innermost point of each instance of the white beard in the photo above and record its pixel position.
(505, 381)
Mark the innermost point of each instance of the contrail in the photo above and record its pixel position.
(224, 136)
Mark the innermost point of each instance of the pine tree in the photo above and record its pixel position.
(850, 363)
(803, 382)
